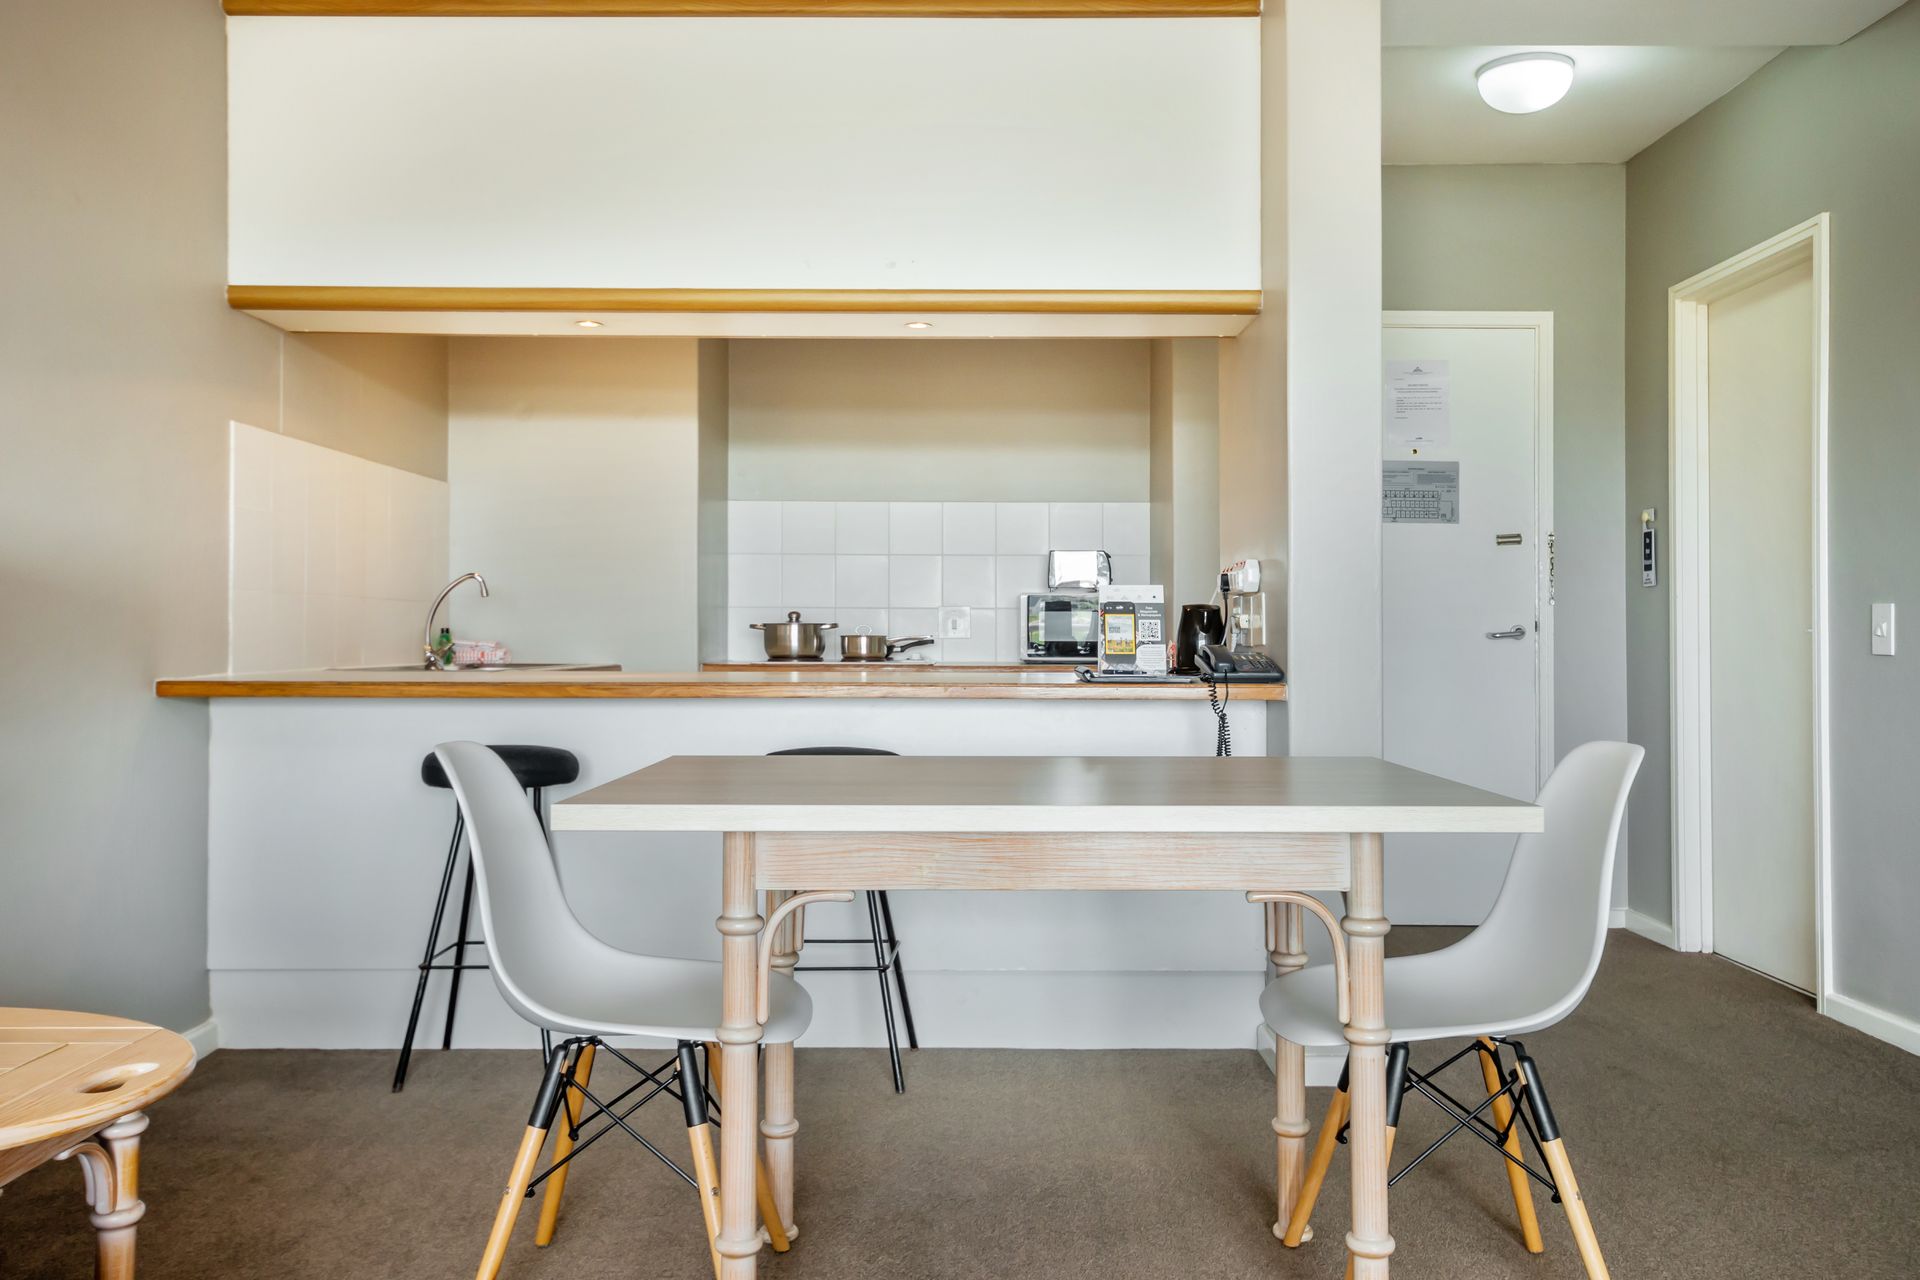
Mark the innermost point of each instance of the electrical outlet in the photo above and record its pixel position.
(956, 623)
(1883, 630)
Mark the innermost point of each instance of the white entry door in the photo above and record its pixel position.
(1466, 615)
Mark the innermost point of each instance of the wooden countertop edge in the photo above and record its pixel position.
(950, 688)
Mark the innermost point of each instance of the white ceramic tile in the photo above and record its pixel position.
(350, 522)
(1009, 644)
(384, 577)
(286, 631)
(967, 580)
(806, 528)
(323, 528)
(1074, 526)
(252, 550)
(806, 579)
(966, 528)
(1126, 527)
(289, 462)
(287, 569)
(860, 528)
(1020, 528)
(753, 582)
(913, 581)
(348, 624)
(851, 620)
(317, 631)
(1015, 574)
(252, 462)
(250, 631)
(744, 644)
(753, 528)
(1133, 571)
(980, 645)
(860, 582)
(915, 622)
(913, 528)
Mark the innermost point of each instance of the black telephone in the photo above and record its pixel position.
(1241, 664)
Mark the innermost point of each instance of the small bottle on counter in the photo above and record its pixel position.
(443, 647)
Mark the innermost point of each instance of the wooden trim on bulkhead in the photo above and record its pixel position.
(745, 8)
(1163, 302)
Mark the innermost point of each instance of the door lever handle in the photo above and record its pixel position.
(1515, 633)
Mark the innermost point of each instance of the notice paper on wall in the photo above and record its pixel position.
(1420, 493)
(1419, 405)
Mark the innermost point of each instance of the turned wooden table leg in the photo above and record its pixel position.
(1365, 925)
(780, 1126)
(739, 926)
(1287, 954)
(110, 1163)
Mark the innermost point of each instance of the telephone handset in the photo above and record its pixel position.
(1241, 664)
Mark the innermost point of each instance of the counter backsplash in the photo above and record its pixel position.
(892, 566)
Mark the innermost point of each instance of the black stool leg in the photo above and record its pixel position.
(899, 974)
(459, 956)
(426, 961)
(886, 990)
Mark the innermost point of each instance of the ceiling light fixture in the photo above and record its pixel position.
(1525, 82)
(919, 324)
(586, 324)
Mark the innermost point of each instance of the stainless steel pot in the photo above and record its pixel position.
(865, 646)
(794, 638)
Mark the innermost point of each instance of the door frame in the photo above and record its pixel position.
(1691, 666)
(1541, 324)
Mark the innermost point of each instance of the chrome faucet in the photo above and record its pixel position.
(434, 662)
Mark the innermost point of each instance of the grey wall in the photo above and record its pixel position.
(938, 420)
(574, 470)
(1544, 238)
(1834, 130)
(120, 366)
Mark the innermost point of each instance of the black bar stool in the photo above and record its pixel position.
(886, 946)
(536, 769)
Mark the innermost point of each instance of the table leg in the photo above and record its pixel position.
(110, 1161)
(1286, 932)
(739, 926)
(780, 1126)
(1365, 925)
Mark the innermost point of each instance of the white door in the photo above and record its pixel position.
(1760, 599)
(1467, 670)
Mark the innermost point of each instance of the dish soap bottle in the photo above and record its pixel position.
(443, 648)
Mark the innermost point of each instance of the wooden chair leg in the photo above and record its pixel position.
(1555, 1149)
(1297, 1230)
(524, 1160)
(578, 1079)
(693, 1097)
(1516, 1176)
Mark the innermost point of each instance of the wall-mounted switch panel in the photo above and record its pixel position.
(1883, 636)
(956, 623)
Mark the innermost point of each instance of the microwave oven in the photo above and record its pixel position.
(1059, 626)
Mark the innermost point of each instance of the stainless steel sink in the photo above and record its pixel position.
(421, 668)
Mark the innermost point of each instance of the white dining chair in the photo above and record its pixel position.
(569, 983)
(1524, 969)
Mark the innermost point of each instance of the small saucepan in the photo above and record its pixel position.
(794, 638)
(865, 646)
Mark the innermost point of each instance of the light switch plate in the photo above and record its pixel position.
(1883, 630)
(956, 623)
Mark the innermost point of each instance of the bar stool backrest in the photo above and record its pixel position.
(544, 960)
(1543, 939)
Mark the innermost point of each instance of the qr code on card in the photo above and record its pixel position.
(1149, 631)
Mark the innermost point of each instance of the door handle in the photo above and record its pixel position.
(1515, 633)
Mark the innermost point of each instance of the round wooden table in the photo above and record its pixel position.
(74, 1085)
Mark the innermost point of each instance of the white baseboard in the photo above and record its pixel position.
(1617, 918)
(204, 1038)
(1323, 1065)
(1647, 927)
(1896, 1030)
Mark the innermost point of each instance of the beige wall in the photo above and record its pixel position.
(1833, 130)
(120, 366)
(714, 427)
(914, 420)
(1185, 454)
(382, 397)
(574, 469)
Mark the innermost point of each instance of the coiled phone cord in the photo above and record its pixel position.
(1223, 737)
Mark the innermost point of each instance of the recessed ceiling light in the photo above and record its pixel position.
(919, 324)
(586, 324)
(1524, 82)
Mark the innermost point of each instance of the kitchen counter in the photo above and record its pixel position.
(751, 680)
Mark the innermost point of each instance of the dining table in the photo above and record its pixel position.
(799, 829)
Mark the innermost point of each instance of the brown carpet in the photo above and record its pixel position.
(1718, 1126)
